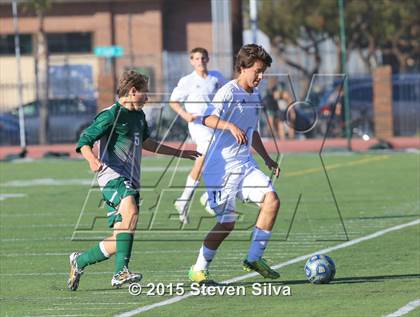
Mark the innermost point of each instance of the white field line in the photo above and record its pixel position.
(16, 227)
(82, 181)
(175, 299)
(176, 274)
(140, 253)
(8, 196)
(405, 309)
(67, 253)
(33, 214)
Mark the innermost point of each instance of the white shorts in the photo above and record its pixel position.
(247, 183)
(201, 136)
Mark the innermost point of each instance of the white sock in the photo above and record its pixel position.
(190, 187)
(103, 250)
(258, 244)
(204, 198)
(205, 256)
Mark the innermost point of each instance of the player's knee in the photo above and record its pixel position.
(272, 201)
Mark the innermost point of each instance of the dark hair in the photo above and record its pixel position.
(199, 50)
(130, 79)
(250, 53)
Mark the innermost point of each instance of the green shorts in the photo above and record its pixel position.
(115, 191)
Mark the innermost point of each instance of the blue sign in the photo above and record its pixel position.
(109, 51)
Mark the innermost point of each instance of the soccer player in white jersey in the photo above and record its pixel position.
(230, 172)
(195, 90)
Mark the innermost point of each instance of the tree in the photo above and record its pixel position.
(389, 26)
(39, 7)
(301, 24)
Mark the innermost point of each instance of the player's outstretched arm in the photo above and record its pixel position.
(258, 146)
(215, 122)
(155, 147)
(177, 107)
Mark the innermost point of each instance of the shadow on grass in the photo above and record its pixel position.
(337, 280)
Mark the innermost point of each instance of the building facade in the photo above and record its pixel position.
(147, 30)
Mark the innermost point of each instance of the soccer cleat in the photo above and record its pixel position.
(200, 277)
(205, 203)
(75, 272)
(182, 208)
(260, 266)
(125, 276)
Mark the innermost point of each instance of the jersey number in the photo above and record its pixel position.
(216, 194)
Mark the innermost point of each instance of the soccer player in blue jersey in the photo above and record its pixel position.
(230, 171)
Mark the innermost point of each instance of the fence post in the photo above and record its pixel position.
(382, 102)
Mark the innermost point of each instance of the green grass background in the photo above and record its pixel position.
(374, 191)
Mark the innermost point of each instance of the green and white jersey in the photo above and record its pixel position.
(121, 134)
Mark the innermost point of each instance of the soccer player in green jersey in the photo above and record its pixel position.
(122, 132)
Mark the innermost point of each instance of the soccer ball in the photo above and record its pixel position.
(320, 269)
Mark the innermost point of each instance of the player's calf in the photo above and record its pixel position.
(268, 212)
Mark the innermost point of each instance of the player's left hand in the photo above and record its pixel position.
(192, 155)
(273, 166)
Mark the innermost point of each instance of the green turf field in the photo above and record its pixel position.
(48, 210)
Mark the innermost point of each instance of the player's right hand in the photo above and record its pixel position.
(189, 154)
(238, 134)
(95, 165)
(189, 117)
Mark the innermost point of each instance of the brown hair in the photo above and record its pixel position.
(249, 54)
(130, 79)
(199, 50)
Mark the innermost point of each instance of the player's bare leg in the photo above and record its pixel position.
(199, 272)
(197, 168)
(123, 241)
(268, 213)
(217, 234)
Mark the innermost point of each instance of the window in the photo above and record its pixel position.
(66, 106)
(69, 42)
(7, 44)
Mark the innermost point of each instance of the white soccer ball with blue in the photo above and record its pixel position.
(320, 269)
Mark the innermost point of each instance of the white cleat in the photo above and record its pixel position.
(75, 272)
(204, 201)
(182, 208)
(125, 277)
